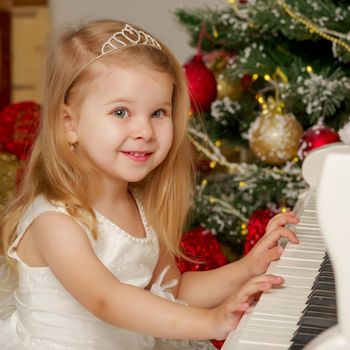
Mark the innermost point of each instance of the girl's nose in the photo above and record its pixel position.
(142, 128)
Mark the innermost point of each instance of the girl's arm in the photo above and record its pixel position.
(210, 288)
(65, 248)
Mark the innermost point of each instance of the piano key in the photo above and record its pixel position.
(320, 308)
(294, 272)
(318, 321)
(323, 315)
(295, 255)
(322, 301)
(312, 265)
(265, 338)
(303, 338)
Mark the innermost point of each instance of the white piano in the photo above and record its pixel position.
(307, 305)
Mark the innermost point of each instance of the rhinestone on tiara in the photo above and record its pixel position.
(128, 36)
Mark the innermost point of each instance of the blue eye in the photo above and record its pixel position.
(120, 113)
(158, 113)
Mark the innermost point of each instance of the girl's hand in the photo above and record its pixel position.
(267, 249)
(227, 315)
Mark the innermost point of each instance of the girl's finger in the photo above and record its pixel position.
(282, 220)
(273, 254)
(271, 240)
(260, 284)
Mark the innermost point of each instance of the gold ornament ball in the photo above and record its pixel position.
(228, 88)
(274, 137)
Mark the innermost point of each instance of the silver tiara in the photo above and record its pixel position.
(128, 36)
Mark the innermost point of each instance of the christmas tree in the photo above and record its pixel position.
(271, 79)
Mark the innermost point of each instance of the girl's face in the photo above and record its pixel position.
(124, 125)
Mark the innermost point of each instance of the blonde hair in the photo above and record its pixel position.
(56, 172)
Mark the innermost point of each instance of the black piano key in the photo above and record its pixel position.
(322, 301)
(318, 322)
(323, 293)
(323, 286)
(303, 338)
(319, 314)
(322, 308)
(296, 347)
(308, 330)
(326, 278)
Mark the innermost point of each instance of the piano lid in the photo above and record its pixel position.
(313, 163)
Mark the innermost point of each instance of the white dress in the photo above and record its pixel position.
(42, 315)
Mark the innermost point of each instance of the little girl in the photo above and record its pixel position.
(94, 229)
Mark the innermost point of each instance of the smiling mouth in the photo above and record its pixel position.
(138, 156)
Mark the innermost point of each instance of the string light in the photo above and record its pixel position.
(261, 100)
(309, 69)
(212, 200)
(242, 184)
(217, 143)
(255, 76)
(212, 164)
(214, 31)
(283, 210)
(244, 230)
(267, 77)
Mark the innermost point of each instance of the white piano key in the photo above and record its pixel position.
(311, 240)
(254, 347)
(317, 246)
(298, 282)
(295, 255)
(307, 231)
(313, 265)
(309, 218)
(278, 308)
(293, 299)
(306, 228)
(254, 324)
(294, 272)
(273, 327)
(308, 225)
(263, 327)
(304, 248)
(265, 338)
(273, 318)
(310, 234)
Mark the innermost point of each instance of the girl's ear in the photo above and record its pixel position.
(70, 124)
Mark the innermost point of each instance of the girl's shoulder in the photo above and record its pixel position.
(39, 205)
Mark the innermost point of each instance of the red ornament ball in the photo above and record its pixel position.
(256, 227)
(316, 136)
(201, 84)
(18, 125)
(201, 245)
